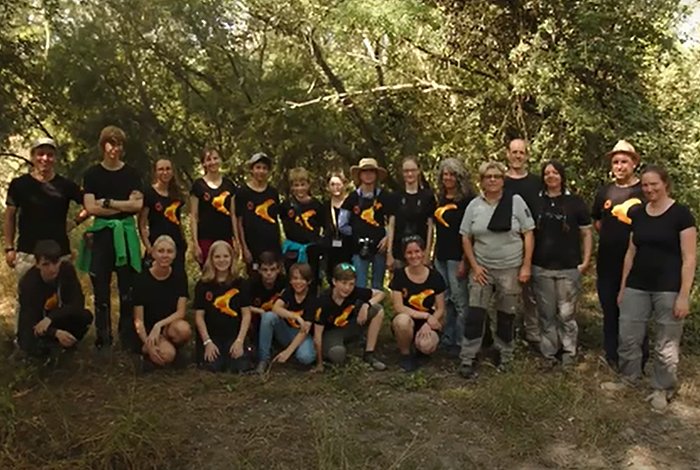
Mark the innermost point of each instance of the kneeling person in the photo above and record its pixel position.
(418, 295)
(51, 303)
(340, 315)
(290, 320)
(160, 300)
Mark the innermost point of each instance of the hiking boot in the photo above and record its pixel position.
(262, 367)
(467, 371)
(408, 363)
(658, 400)
(375, 363)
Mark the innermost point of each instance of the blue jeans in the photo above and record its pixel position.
(272, 325)
(457, 302)
(362, 268)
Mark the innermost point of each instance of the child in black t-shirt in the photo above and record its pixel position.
(418, 295)
(266, 286)
(222, 313)
(340, 315)
(290, 320)
(160, 301)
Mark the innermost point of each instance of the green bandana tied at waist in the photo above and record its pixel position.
(125, 240)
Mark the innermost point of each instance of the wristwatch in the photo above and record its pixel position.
(106, 203)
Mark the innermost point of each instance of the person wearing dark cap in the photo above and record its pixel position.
(41, 199)
(610, 218)
(52, 310)
(257, 208)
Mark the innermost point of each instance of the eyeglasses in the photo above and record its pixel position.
(347, 267)
(492, 177)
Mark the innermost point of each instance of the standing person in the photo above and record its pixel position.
(454, 193)
(160, 302)
(302, 219)
(414, 207)
(162, 211)
(498, 242)
(341, 314)
(418, 296)
(212, 214)
(364, 216)
(528, 186)
(41, 199)
(611, 220)
(222, 313)
(338, 247)
(51, 303)
(257, 207)
(290, 321)
(563, 227)
(657, 277)
(113, 195)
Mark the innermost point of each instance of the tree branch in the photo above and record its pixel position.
(451, 61)
(18, 157)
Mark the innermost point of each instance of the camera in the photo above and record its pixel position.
(366, 248)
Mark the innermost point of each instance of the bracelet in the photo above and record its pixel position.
(207, 341)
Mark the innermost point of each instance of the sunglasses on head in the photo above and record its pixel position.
(347, 267)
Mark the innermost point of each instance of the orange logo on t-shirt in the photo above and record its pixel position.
(416, 301)
(52, 302)
(222, 302)
(368, 214)
(620, 211)
(303, 219)
(267, 306)
(219, 203)
(440, 212)
(170, 212)
(342, 319)
(262, 211)
(293, 322)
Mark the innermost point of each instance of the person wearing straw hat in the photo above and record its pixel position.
(36, 208)
(611, 220)
(364, 216)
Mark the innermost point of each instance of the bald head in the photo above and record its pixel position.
(516, 154)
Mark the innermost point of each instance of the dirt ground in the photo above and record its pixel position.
(93, 413)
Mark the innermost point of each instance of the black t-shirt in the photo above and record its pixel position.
(304, 309)
(222, 304)
(261, 296)
(657, 262)
(158, 297)
(419, 297)
(368, 216)
(108, 184)
(259, 211)
(448, 217)
(164, 215)
(411, 212)
(214, 209)
(611, 207)
(302, 222)
(331, 315)
(557, 232)
(43, 208)
(527, 188)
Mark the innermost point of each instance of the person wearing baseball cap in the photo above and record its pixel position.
(610, 218)
(257, 209)
(37, 207)
(365, 216)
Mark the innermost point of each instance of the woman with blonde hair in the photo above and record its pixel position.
(160, 301)
(222, 312)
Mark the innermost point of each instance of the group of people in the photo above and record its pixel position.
(464, 266)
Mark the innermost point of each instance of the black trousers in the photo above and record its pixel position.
(76, 324)
(101, 268)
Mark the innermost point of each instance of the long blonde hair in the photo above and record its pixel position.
(209, 271)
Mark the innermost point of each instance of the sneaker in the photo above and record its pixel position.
(468, 372)
(408, 363)
(658, 400)
(617, 386)
(262, 367)
(375, 363)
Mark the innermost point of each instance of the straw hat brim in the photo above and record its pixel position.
(355, 172)
(634, 155)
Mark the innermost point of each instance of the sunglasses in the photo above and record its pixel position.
(347, 267)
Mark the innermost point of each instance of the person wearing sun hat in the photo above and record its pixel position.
(364, 216)
(611, 220)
